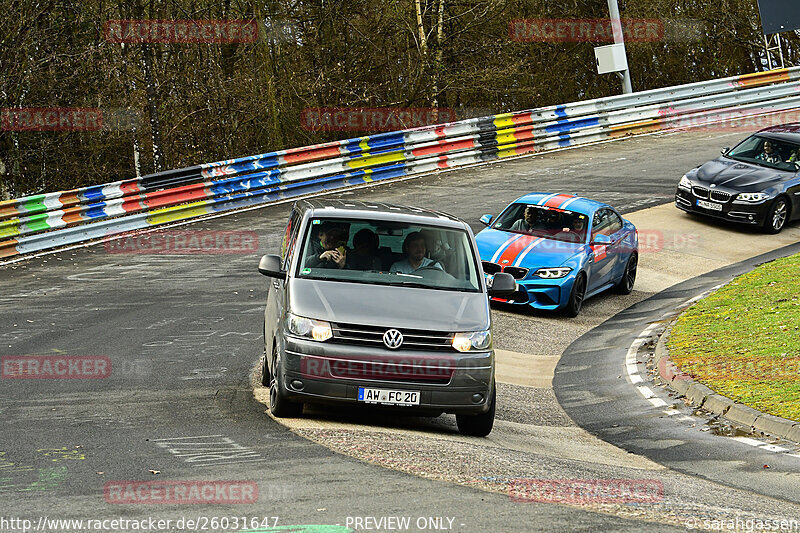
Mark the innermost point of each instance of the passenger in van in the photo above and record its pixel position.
(415, 249)
(364, 255)
(329, 251)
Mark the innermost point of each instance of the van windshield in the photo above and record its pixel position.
(388, 253)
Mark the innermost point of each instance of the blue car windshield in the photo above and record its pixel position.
(556, 224)
(388, 253)
(767, 152)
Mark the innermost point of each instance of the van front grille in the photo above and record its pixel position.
(413, 339)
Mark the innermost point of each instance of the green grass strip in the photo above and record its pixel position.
(743, 341)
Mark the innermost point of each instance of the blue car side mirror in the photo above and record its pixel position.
(486, 220)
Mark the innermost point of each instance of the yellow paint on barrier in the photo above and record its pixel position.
(364, 144)
(367, 172)
(637, 127)
(506, 138)
(763, 78)
(372, 160)
(9, 228)
(505, 120)
(180, 212)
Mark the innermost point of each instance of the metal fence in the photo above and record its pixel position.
(44, 221)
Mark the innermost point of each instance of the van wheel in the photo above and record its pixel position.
(625, 284)
(777, 216)
(478, 425)
(575, 302)
(279, 405)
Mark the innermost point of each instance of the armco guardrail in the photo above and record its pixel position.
(51, 220)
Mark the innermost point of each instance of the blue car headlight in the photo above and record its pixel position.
(552, 273)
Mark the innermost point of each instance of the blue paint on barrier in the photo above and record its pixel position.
(561, 111)
(573, 125)
(96, 210)
(93, 193)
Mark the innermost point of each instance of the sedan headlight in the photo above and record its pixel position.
(750, 197)
(318, 330)
(685, 184)
(472, 340)
(552, 273)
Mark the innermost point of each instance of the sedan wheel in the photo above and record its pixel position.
(777, 216)
(576, 296)
(625, 284)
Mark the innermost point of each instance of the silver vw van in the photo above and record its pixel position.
(382, 305)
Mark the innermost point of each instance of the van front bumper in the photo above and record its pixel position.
(452, 382)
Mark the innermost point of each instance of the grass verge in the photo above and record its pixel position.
(743, 341)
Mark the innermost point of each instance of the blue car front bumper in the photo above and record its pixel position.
(545, 294)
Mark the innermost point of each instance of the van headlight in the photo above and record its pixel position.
(472, 340)
(319, 330)
(685, 184)
(552, 273)
(750, 197)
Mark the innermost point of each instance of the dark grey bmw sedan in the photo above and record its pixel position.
(757, 182)
(382, 305)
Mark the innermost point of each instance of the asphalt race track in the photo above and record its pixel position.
(182, 335)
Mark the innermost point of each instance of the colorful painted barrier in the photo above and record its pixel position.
(56, 219)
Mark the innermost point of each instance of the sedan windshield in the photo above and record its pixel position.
(388, 253)
(767, 153)
(541, 221)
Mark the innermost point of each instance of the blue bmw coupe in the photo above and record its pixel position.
(561, 249)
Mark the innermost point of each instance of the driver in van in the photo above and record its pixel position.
(329, 251)
(415, 249)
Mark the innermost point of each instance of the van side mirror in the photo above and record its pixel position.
(486, 220)
(725, 150)
(270, 265)
(502, 285)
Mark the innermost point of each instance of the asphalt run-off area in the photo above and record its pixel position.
(176, 405)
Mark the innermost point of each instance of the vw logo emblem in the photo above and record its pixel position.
(393, 339)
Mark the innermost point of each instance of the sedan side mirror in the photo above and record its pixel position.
(601, 240)
(502, 285)
(486, 220)
(270, 265)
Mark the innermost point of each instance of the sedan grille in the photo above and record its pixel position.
(700, 192)
(413, 339)
(720, 196)
(494, 268)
